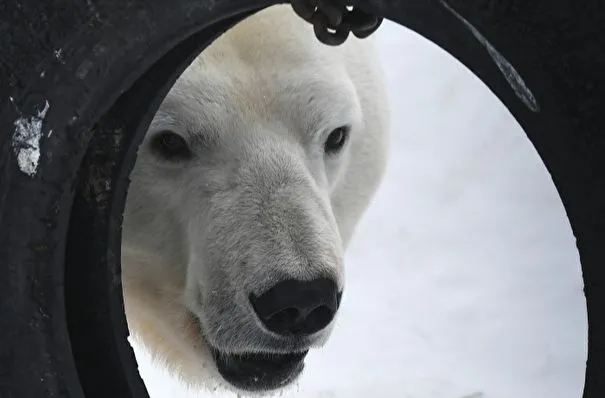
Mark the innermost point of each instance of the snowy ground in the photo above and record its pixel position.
(463, 280)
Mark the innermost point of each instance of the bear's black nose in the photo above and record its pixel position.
(297, 308)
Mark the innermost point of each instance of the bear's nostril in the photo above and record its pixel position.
(297, 308)
(320, 316)
(283, 319)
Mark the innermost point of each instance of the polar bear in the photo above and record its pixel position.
(246, 191)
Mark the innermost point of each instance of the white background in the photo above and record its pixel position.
(463, 280)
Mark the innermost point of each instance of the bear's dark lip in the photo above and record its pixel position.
(259, 371)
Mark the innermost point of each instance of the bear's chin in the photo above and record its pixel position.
(257, 372)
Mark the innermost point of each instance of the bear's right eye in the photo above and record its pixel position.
(170, 146)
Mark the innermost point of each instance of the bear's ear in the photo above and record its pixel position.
(170, 146)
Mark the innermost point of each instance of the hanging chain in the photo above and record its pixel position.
(334, 20)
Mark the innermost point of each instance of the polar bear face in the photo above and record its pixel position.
(245, 192)
(231, 197)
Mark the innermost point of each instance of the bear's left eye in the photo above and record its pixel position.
(336, 140)
(170, 146)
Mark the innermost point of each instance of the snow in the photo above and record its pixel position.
(463, 280)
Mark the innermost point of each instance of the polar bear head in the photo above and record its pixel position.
(246, 190)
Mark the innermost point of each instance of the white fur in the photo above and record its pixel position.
(260, 201)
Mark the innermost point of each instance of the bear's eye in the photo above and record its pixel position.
(336, 139)
(170, 145)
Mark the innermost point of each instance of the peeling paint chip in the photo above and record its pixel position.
(26, 141)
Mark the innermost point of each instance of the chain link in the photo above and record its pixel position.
(334, 20)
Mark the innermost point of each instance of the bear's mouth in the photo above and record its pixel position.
(259, 371)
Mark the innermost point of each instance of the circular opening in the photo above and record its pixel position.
(474, 288)
(94, 234)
